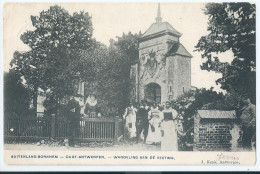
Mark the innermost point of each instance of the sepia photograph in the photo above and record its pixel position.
(159, 78)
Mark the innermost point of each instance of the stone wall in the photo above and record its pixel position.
(133, 82)
(171, 73)
(145, 77)
(216, 135)
(179, 74)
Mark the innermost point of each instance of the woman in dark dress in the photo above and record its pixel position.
(91, 107)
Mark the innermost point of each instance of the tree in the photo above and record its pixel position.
(125, 50)
(231, 26)
(56, 44)
(128, 45)
(16, 96)
(123, 53)
(188, 104)
(111, 82)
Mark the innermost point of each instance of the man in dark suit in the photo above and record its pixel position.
(142, 123)
(73, 118)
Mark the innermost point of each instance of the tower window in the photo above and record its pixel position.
(183, 89)
(170, 88)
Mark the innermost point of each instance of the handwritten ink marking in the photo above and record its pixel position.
(226, 157)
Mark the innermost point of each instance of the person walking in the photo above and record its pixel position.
(154, 133)
(130, 121)
(169, 141)
(142, 123)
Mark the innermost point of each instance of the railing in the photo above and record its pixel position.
(27, 128)
(89, 129)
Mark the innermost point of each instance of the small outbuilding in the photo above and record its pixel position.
(216, 130)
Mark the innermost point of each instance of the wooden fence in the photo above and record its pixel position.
(89, 129)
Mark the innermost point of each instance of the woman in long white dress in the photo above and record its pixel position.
(154, 132)
(169, 140)
(130, 121)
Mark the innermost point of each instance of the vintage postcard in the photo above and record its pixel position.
(151, 83)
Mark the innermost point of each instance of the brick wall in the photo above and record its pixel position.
(213, 134)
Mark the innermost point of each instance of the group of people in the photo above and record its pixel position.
(155, 124)
(158, 125)
(76, 110)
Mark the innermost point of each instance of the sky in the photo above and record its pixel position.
(112, 19)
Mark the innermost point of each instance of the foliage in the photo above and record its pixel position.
(112, 77)
(16, 96)
(63, 53)
(123, 53)
(56, 43)
(128, 46)
(231, 26)
(188, 104)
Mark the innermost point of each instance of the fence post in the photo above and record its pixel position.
(53, 121)
(116, 128)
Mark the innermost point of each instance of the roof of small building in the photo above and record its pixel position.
(178, 48)
(216, 114)
(161, 27)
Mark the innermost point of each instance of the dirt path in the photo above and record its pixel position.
(88, 147)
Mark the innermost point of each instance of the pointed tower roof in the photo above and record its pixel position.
(160, 27)
(158, 18)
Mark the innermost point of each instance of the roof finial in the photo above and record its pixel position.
(158, 18)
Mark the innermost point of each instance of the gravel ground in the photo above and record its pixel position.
(85, 147)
